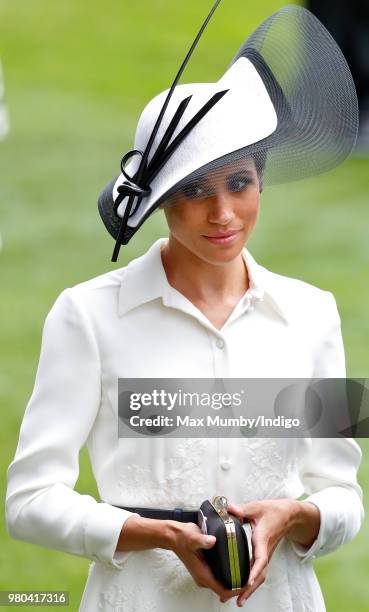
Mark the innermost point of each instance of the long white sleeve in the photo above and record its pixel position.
(41, 504)
(329, 470)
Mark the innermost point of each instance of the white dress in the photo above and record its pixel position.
(130, 323)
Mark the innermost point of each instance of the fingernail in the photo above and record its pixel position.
(210, 539)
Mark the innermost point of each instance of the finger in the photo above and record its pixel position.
(237, 510)
(207, 579)
(200, 541)
(251, 507)
(260, 561)
(250, 589)
(247, 512)
(203, 573)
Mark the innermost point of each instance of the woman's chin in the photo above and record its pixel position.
(221, 253)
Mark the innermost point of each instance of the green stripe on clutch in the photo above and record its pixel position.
(234, 563)
(237, 564)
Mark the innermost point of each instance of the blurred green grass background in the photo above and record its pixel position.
(77, 76)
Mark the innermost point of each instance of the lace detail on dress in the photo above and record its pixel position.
(301, 596)
(268, 473)
(149, 576)
(154, 576)
(172, 575)
(276, 579)
(184, 484)
(117, 599)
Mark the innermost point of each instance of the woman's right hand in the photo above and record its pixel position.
(187, 542)
(185, 539)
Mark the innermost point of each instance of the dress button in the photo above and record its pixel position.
(220, 343)
(225, 464)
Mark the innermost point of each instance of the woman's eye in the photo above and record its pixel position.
(237, 183)
(196, 191)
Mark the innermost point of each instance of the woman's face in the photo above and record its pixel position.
(214, 217)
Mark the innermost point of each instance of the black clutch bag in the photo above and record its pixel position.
(229, 558)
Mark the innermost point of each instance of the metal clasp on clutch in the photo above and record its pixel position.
(220, 503)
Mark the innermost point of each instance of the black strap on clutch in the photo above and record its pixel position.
(176, 514)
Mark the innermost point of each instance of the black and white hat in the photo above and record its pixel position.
(287, 101)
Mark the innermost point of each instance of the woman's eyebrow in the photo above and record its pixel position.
(205, 181)
(241, 172)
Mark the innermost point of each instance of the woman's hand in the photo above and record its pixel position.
(270, 520)
(187, 542)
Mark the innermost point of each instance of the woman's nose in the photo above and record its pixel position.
(220, 209)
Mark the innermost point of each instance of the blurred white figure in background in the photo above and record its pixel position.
(4, 115)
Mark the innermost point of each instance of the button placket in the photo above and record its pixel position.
(221, 370)
(219, 343)
(225, 464)
(220, 355)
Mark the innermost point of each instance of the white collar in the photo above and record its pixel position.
(144, 279)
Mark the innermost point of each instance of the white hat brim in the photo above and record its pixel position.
(244, 115)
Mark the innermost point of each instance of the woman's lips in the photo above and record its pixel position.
(223, 238)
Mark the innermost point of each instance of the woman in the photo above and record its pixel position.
(195, 305)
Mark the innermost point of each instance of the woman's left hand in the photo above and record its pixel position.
(270, 520)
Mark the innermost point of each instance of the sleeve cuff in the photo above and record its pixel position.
(341, 515)
(102, 533)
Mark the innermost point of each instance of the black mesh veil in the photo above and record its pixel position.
(312, 91)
